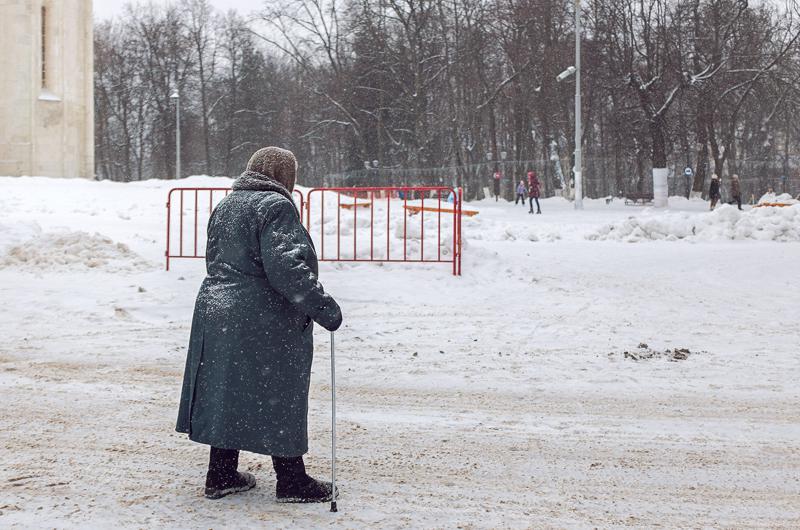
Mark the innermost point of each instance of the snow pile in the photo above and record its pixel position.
(72, 250)
(724, 223)
(772, 198)
(16, 233)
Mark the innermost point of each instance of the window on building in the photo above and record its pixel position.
(44, 47)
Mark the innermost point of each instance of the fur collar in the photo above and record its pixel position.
(253, 181)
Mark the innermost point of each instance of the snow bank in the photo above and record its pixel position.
(772, 198)
(16, 233)
(71, 250)
(724, 223)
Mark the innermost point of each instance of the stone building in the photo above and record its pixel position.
(46, 88)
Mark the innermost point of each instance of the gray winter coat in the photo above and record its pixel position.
(248, 368)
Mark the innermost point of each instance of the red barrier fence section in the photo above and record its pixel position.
(188, 212)
(377, 224)
(386, 224)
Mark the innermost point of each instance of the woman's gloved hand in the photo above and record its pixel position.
(329, 316)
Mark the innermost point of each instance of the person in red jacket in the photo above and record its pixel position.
(497, 177)
(533, 191)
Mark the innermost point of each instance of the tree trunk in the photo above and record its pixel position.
(658, 138)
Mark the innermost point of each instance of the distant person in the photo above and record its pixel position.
(521, 193)
(713, 191)
(497, 177)
(533, 191)
(736, 191)
(248, 369)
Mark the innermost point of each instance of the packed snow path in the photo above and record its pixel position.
(500, 399)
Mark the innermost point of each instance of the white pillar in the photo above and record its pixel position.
(660, 187)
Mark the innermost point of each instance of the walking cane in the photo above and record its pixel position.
(333, 428)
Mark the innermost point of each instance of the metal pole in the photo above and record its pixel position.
(578, 158)
(333, 428)
(178, 137)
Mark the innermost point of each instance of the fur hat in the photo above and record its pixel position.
(275, 163)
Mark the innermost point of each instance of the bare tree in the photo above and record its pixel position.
(435, 90)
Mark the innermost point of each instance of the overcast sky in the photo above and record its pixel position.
(108, 8)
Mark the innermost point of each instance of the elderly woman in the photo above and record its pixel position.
(248, 368)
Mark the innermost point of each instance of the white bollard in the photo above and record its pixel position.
(660, 187)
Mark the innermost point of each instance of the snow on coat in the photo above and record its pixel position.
(248, 366)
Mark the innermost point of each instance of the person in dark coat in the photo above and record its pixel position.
(713, 191)
(533, 191)
(248, 367)
(736, 191)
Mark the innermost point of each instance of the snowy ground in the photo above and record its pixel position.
(503, 398)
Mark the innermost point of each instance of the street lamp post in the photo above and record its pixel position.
(177, 97)
(578, 170)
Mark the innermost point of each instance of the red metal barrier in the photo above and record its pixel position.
(190, 240)
(375, 206)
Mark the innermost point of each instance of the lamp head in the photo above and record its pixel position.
(565, 74)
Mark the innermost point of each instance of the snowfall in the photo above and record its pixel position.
(619, 366)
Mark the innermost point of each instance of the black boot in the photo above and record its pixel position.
(294, 485)
(222, 478)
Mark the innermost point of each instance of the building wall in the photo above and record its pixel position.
(46, 130)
